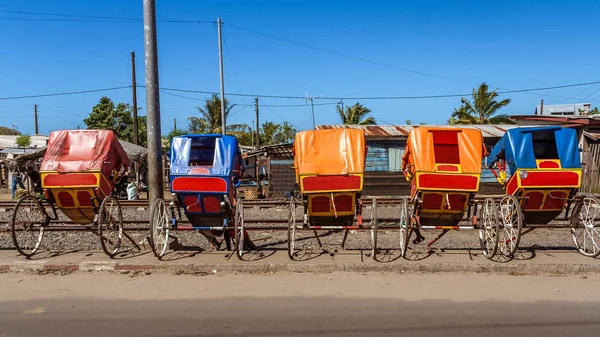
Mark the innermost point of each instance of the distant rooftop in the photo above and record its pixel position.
(10, 141)
(488, 130)
(576, 109)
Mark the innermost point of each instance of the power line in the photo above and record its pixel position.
(388, 97)
(63, 93)
(346, 56)
(115, 19)
(278, 115)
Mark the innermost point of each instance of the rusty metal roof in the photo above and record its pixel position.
(488, 130)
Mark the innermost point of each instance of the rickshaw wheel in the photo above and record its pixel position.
(488, 228)
(292, 230)
(404, 226)
(159, 228)
(511, 224)
(584, 229)
(374, 230)
(239, 229)
(110, 225)
(28, 219)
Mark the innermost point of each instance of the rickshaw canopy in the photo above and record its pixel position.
(421, 153)
(70, 151)
(330, 152)
(218, 155)
(520, 147)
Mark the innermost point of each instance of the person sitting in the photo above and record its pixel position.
(34, 176)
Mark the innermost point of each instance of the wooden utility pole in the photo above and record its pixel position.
(174, 124)
(257, 126)
(135, 107)
(35, 119)
(542, 108)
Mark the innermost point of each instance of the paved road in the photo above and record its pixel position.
(316, 305)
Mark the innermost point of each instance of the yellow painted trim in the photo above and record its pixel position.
(362, 179)
(455, 165)
(442, 209)
(73, 193)
(331, 213)
(545, 193)
(557, 161)
(520, 186)
(97, 174)
(419, 188)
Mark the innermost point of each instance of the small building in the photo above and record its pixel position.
(386, 144)
(278, 164)
(576, 109)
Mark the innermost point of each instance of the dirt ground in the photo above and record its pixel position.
(459, 287)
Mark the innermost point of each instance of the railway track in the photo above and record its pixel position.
(8, 205)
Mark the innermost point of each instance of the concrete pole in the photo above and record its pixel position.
(155, 177)
(223, 122)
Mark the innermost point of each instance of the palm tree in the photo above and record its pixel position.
(356, 114)
(211, 113)
(482, 109)
(210, 120)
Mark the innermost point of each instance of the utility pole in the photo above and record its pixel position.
(542, 108)
(35, 118)
(223, 122)
(312, 109)
(155, 178)
(174, 124)
(135, 107)
(257, 126)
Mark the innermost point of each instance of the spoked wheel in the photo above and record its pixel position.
(160, 224)
(239, 229)
(292, 230)
(27, 225)
(584, 224)
(488, 228)
(511, 224)
(110, 226)
(374, 225)
(404, 226)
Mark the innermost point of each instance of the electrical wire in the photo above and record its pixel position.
(115, 19)
(64, 93)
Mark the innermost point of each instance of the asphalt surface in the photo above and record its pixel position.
(296, 317)
(336, 304)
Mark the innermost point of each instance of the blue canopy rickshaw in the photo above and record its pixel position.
(540, 169)
(204, 173)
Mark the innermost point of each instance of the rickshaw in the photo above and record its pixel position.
(443, 166)
(204, 172)
(329, 167)
(79, 174)
(541, 171)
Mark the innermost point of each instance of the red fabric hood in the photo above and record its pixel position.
(84, 150)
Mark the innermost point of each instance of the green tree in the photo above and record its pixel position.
(408, 122)
(118, 118)
(483, 109)
(273, 133)
(8, 131)
(356, 114)
(210, 116)
(594, 111)
(23, 140)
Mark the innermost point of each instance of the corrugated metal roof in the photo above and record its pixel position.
(19, 151)
(488, 130)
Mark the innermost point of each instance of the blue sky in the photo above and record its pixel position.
(509, 44)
